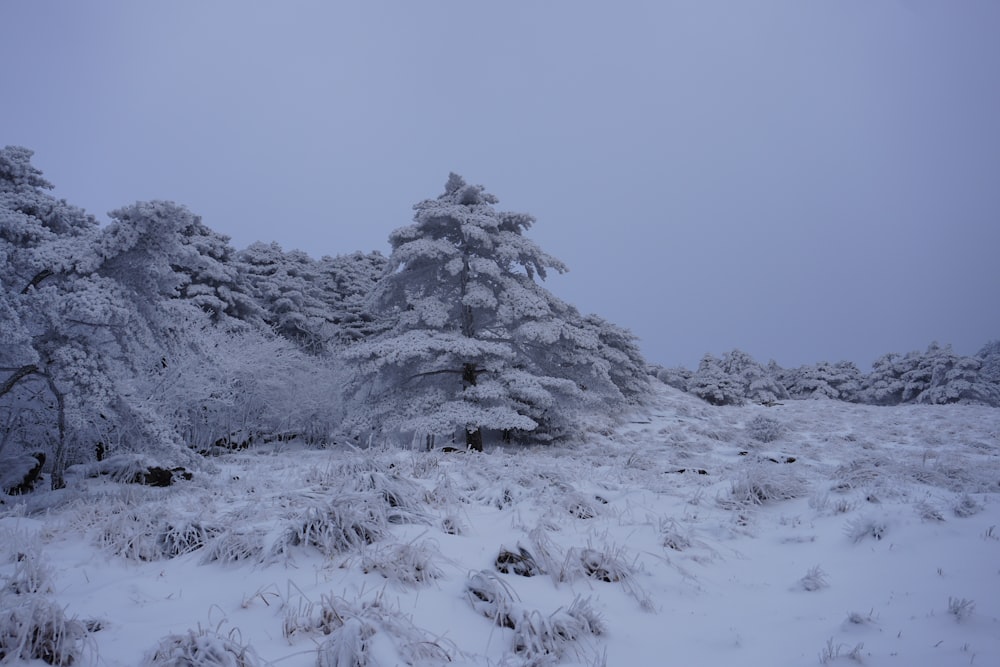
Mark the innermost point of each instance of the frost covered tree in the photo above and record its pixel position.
(195, 263)
(989, 368)
(347, 282)
(472, 342)
(712, 383)
(733, 379)
(840, 381)
(935, 376)
(287, 285)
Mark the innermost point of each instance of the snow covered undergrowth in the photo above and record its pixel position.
(804, 533)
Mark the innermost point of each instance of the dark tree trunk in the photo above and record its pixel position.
(474, 439)
(473, 434)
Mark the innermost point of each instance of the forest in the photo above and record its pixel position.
(150, 342)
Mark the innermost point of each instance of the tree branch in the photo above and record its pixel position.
(19, 374)
(39, 277)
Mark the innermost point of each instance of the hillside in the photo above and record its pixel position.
(803, 533)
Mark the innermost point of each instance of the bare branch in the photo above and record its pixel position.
(39, 277)
(19, 374)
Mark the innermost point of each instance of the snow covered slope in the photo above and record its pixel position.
(804, 533)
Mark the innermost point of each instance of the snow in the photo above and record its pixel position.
(857, 535)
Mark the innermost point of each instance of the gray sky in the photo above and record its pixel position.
(806, 181)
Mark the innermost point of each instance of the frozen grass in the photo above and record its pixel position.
(366, 633)
(762, 481)
(862, 528)
(35, 627)
(204, 648)
(961, 608)
(814, 579)
(386, 556)
(410, 563)
(344, 524)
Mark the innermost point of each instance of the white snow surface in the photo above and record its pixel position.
(858, 535)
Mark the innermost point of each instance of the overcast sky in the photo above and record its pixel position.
(805, 181)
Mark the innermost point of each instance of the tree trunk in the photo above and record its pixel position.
(59, 464)
(474, 439)
(473, 434)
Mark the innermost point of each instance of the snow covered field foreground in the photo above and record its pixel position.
(805, 533)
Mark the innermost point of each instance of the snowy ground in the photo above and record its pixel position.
(810, 532)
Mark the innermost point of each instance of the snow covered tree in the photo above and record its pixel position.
(841, 381)
(347, 282)
(197, 263)
(989, 368)
(935, 376)
(287, 285)
(473, 342)
(733, 379)
(712, 383)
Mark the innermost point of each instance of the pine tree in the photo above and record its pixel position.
(472, 341)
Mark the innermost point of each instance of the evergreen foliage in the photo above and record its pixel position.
(472, 342)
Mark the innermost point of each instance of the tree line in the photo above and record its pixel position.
(152, 335)
(935, 376)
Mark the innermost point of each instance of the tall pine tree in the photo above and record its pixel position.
(472, 341)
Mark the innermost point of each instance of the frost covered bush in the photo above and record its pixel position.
(765, 429)
(204, 648)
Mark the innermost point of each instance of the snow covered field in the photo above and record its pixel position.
(804, 533)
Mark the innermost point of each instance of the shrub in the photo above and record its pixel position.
(765, 429)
